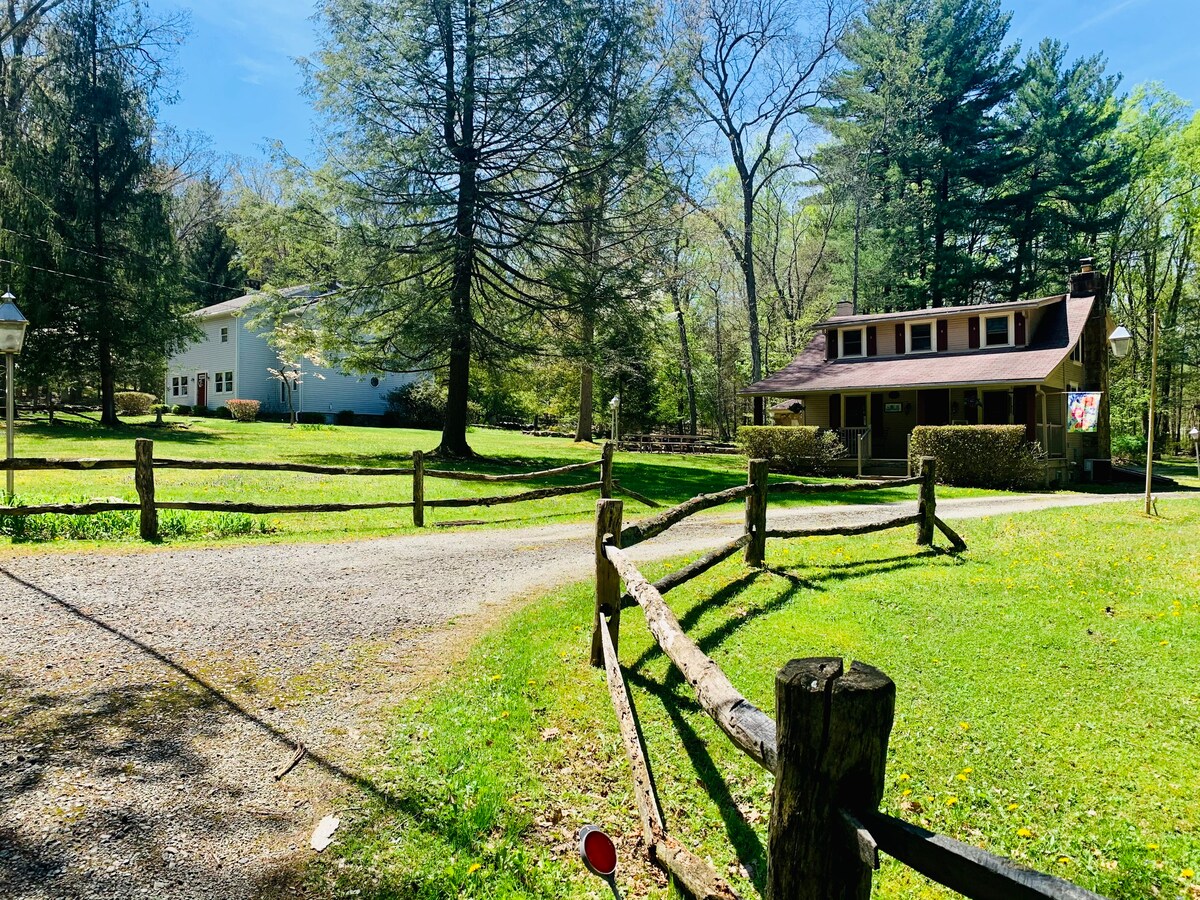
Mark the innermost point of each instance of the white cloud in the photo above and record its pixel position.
(1105, 14)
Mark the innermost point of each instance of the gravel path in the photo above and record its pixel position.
(149, 697)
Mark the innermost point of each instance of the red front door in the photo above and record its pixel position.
(201, 389)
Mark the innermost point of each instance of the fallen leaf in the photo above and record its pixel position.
(322, 835)
(549, 734)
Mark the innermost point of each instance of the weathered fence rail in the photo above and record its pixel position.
(827, 745)
(144, 465)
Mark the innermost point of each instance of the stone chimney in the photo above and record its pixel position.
(1085, 282)
(844, 308)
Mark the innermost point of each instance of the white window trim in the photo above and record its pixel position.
(842, 354)
(1077, 350)
(1012, 335)
(223, 382)
(908, 341)
(224, 334)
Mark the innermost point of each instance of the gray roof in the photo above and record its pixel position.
(238, 304)
(939, 312)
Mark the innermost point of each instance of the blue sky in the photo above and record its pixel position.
(238, 80)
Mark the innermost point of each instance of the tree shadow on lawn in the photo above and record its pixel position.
(167, 435)
(153, 723)
(677, 699)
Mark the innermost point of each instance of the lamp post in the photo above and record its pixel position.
(12, 336)
(1194, 434)
(1150, 418)
(615, 405)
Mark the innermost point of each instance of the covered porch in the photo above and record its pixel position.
(875, 425)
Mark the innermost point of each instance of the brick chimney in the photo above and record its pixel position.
(844, 308)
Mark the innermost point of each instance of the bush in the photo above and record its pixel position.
(795, 449)
(181, 409)
(1128, 447)
(244, 410)
(986, 456)
(310, 418)
(224, 412)
(201, 412)
(344, 417)
(420, 404)
(134, 403)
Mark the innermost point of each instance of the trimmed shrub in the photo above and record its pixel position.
(794, 449)
(244, 410)
(181, 409)
(344, 417)
(986, 456)
(134, 403)
(201, 412)
(224, 412)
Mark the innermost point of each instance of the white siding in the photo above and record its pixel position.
(207, 356)
(249, 356)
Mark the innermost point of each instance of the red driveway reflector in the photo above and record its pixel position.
(598, 851)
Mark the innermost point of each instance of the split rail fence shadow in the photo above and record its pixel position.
(144, 465)
(827, 746)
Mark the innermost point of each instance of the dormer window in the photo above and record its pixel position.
(920, 337)
(998, 331)
(852, 341)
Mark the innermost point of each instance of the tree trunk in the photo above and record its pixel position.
(454, 426)
(108, 403)
(747, 261)
(583, 431)
(686, 357)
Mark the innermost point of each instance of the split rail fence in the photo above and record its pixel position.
(827, 746)
(145, 463)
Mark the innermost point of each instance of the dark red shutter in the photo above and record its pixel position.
(835, 410)
(943, 335)
(899, 337)
(973, 332)
(831, 341)
(872, 344)
(1019, 329)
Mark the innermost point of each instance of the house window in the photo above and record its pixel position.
(224, 335)
(179, 386)
(920, 337)
(852, 341)
(224, 383)
(1077, 351)
(998, 331)
(175, 386)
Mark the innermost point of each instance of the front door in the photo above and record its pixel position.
(995, 407)
(933, 406)
(201, 389)
(856, 411)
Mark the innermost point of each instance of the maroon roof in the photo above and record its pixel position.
(938, 312)
(1060, 328)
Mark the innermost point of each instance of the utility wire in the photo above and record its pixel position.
(115, 259)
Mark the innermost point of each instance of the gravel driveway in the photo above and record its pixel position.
(148, 698)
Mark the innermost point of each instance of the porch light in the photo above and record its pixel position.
(1120, 341)
(12, 325)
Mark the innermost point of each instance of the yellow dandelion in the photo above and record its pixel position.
(1063, 860)
(905, 792)
(904, 776)
(961, 776)
(1013, 806)
(473, 868)
(1024, 832)
(963, 725)
(1152, 846)
(1186, 873)
(951, 801)
(496, 677)
(1164, 643)
(504, 715)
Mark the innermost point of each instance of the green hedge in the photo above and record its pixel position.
(133, 403)
(987, 456)
(795, 449)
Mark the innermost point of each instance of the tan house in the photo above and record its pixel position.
(874, 377)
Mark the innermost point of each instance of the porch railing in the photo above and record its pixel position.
(857, 442)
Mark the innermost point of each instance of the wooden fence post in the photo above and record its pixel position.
(418, 489)
(927, 504)
(756, 513)
(832, 737)
(608, 581)
(606, 471)
(143, 480)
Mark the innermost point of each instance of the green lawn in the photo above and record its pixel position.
(665, 478)
(1048, 709)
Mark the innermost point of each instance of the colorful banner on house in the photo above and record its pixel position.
(1083, 412)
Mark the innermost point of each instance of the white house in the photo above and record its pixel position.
(232, 358)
